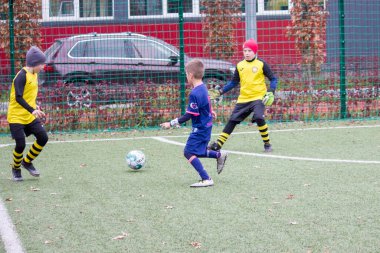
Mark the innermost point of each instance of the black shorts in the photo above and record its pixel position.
(243, 110)
(21, 130)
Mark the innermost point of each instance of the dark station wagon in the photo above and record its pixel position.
(120, 59)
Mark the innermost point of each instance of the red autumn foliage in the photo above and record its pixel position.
(308, 28)
(26, 28)
(220, 24)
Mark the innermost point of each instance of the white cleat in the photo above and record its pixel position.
(221, 161)
(203, 183)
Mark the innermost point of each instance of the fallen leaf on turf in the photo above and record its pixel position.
(8, 199)
(34, 189)
(17, 210)
(121, 237)
(83, 165)
(48, 242)
(306, 185)
(293, 223)
(290, 196)
(196, 245)
(169, 207)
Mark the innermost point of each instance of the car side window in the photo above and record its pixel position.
(152, 50)
(109, 48)
(105, 48)
(129, 49)
(79, 49)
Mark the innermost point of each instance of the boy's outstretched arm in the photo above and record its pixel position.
(176, 121)
(214, 94)
(232, 83)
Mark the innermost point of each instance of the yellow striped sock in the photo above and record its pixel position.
(264, 133)
(222, 139)
(17, 158)
(33, 152)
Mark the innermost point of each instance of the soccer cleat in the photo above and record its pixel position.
(29, 167)
(214, 146)
(16, 174)
(267, 148)
(203, 183)
(221, 161)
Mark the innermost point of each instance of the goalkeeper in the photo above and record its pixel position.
(253, 97)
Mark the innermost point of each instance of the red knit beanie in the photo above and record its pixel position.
(251, 44)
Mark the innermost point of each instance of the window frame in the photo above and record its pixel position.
(165, 13)
(196, 12)
(76, 17)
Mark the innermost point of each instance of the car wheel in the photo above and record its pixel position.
(79, 95)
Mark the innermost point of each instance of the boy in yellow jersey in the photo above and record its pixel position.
(24, 116)
(254, 96)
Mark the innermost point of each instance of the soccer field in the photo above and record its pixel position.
(318, 191)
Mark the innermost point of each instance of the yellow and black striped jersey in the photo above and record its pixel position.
(23, 96)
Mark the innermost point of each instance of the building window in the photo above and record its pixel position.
(159, 8)
(145, 7)
(169, 8)
(98, 8)
(56, 10)
(265, 7)
(276, 5)
(186, 4)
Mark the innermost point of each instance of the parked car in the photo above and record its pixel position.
(120, 59)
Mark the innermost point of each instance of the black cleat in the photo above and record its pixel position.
(214, 146)
(267, 148)
(29, 167)
(16, 175)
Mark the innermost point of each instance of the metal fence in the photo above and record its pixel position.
(119, 64)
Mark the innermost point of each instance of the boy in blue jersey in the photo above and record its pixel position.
(200, 112)
(254, 96)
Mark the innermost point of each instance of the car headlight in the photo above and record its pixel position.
(232, 70)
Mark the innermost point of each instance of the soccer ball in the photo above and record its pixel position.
(135, 159)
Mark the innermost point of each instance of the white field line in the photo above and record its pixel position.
(277, 156)
(8, 232)
(10, 237)
(186, 135)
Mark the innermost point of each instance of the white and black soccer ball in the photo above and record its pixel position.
(135, 159)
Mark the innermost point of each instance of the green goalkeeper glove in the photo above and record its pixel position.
(268, 98)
